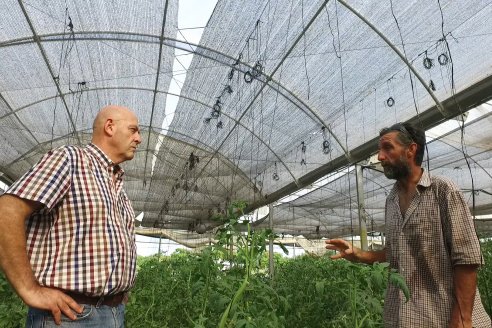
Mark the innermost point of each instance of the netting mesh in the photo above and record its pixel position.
(278, 95)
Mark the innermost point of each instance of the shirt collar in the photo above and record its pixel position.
(105, 161)
(424, 182)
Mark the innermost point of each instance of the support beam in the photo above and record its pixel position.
(158, 72)
(362, 212)
(463, 101)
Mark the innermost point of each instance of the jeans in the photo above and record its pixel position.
(104, 317)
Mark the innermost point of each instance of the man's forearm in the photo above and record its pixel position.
(370, 257)
(464, 287)
(13, 256)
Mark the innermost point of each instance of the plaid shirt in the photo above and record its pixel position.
(83, 239)
(436, 233)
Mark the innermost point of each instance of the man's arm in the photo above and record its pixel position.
(354, 254)
(15, 263)
(464, 287)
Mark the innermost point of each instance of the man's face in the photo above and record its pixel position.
(126, 137)
(393, 156)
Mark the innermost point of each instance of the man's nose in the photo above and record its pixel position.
(380, 156)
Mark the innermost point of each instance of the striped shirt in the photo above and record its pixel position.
(435, 234)
(82, 239)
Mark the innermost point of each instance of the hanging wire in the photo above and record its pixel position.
(462, 127)
(406, 57)
(345, 119)
(66, 48)
(260, 133)
(443, 67)
(304, 51)
(275, 107)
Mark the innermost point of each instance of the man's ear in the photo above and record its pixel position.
(109, 127)
(412, 150)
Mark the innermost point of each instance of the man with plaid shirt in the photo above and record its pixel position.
(431, 241)
(73, 217)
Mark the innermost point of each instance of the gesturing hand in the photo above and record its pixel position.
(344, 248)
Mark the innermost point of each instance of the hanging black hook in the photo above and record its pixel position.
(248, 77)
(390, 102)
(428, 62)
(216, 109)
(443, 59)
(326, 147)
(257, 69)
(432, 86)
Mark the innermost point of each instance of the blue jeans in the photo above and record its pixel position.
(104, 317)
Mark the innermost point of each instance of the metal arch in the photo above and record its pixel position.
(228, 163)
(164, 92)
(210, 150)
(11, 111)
(55, 80)
(158, 72)
(171, 42)
(440, 107)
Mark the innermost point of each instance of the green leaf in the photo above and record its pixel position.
(284, 249)
(320, 287)
(399, 281)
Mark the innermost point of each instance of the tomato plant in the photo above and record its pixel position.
(205, 290)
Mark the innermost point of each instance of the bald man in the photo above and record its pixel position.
(70, 248)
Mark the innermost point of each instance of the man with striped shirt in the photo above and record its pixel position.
(73, 217)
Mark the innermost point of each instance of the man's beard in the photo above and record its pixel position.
(399, 170)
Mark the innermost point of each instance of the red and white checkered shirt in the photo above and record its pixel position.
(435, 234)
(83, 239)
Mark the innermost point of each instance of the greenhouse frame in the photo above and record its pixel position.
(278, 104)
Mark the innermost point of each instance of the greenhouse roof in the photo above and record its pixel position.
(273, 97)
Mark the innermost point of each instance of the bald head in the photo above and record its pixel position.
(116, 132)
(112, 112)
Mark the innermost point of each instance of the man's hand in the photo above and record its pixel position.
(344, 248)
(354, 254)
(53, 300)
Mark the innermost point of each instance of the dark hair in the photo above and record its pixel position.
(408, 133)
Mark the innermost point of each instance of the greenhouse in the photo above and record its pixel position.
(259, 124)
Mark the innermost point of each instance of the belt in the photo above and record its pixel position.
(109, 300)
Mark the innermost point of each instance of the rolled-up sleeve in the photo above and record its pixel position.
(459, 230)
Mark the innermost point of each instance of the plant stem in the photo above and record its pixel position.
(244, 284)
(235, 299)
